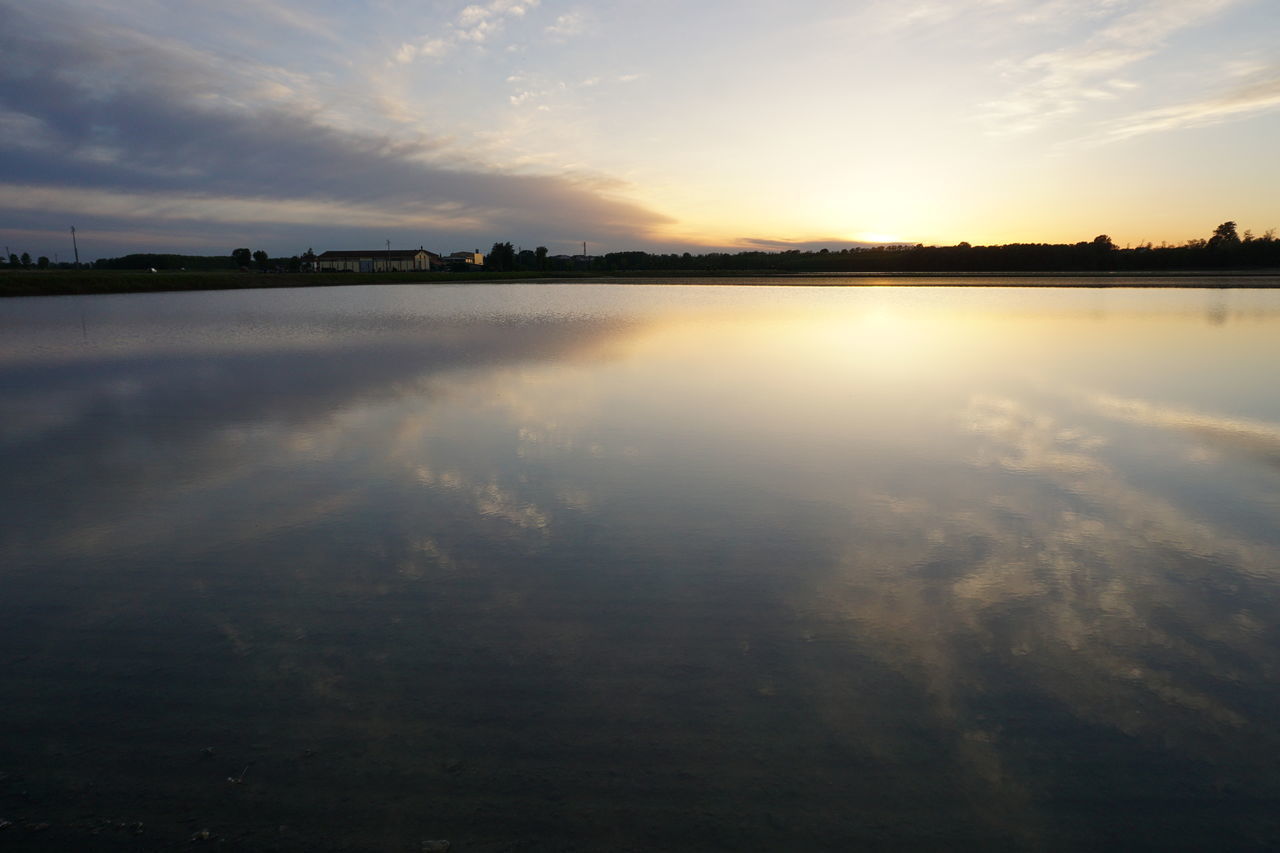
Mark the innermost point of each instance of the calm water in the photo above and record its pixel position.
(580, 567)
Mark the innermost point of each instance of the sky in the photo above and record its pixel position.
(199, 126)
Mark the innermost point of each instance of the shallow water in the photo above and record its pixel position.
(583, 567)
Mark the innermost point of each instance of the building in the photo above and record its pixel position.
(467, 260)
(378, 260)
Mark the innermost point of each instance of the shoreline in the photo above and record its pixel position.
(88, 282)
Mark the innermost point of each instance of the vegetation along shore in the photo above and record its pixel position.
(1232, 259)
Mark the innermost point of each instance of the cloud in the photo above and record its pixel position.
(206, 207)
(19, 130)
(1257, 96)
(925, 15)
(125, 131)
(279, 14)
(568, 25)
(932, 13)
(475, 24)
(811, 245)
(1057, 83)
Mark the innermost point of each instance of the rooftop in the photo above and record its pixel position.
(375, 253)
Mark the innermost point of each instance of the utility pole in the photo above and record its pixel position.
(388, 256)
(74, 246)
(584, 248)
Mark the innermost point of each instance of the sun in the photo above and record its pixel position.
(876, 237)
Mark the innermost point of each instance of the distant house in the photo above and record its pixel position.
(571, 262)
(465, 260)
(378, 260)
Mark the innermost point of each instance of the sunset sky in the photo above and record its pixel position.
(202, 125)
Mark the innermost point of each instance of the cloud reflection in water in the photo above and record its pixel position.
(707, 562)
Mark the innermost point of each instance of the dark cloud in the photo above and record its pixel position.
(121, 114)
(835, 244)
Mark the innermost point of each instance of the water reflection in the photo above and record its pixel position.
(607, 568)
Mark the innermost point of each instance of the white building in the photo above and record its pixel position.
(378, 260)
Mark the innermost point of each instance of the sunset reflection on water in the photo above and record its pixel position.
(606, 567)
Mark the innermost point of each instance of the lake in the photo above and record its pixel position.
(629, 567)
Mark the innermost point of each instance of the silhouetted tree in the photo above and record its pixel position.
(13, 259)
(502, 256)
(309, 259)
(260, 258)
(26, 259)
(1224, 237)
(242, 257)
(540, 256)
(42, 262)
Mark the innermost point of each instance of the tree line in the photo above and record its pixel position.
(1225, 249)
(504, 257)
(241, 258)
(24, 262)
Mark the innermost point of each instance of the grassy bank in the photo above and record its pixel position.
(66, 282)
(63, 282)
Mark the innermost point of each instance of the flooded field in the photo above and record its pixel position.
(597, 567)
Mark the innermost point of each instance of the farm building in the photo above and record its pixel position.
(378, 260)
